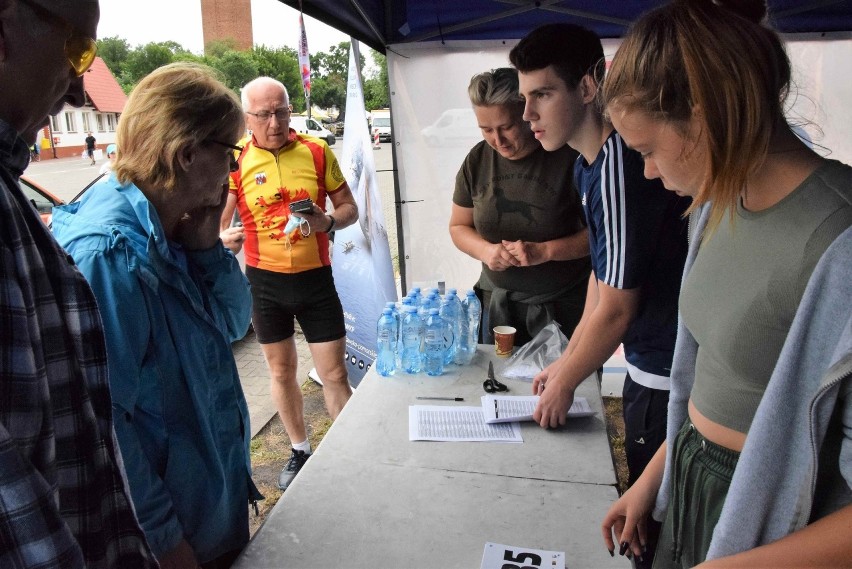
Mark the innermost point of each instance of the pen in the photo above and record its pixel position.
(444, 398)
(496, 416)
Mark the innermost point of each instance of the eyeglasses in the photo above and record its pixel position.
(263, 116)
(79, 49)
(235, 165)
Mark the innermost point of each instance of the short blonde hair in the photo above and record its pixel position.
(496, 87)
(176, 106)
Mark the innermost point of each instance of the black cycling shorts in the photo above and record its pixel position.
(310, 297)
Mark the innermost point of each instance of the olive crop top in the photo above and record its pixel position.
(741, 295)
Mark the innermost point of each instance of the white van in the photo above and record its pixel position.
(304, 125)
(380, 120)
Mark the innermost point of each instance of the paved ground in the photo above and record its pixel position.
(255, 377)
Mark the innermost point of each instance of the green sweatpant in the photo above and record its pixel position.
(701, 478)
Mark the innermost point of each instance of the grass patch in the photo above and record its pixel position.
(270, 450)
(615, 433)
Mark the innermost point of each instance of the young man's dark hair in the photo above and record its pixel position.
(572, 50)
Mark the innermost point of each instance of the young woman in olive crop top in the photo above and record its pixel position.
(698, 89)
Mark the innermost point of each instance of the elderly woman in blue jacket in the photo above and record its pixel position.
(172, 299)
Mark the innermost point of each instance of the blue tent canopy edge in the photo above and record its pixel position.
(380, 23)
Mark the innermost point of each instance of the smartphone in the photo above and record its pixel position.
(301, 206)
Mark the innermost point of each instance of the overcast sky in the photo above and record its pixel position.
(143, 21)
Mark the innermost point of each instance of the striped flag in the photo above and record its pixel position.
(304, 59)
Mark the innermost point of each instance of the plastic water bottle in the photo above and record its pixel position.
(387, 334)
(462, 344)
(430, 301)
(459, 326)
(395, 313)
(433, 360)
(423, 308)
(473, 313)
(415, 295)
(411, 359)
(450, 316)
(406, 301)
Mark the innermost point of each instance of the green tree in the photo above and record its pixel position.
(237, 68)
(145, 59)
(376, 91)
(328, 77)
(114, 51)
(328, 92)
(218, 48)
(281, 64)
(335, 62)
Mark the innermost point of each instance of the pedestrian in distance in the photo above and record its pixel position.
(756, 468)
(64, 501)
(516, 210)
(290, 269)
(172, 300)
(90, 147)
(637, 239)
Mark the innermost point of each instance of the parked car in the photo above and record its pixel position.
(42, 199)
(304, 125)
(455, 127)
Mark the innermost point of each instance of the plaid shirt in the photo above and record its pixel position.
(63, 497)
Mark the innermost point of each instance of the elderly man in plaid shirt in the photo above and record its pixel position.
(64, 500)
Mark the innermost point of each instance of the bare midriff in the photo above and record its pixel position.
(716, 433)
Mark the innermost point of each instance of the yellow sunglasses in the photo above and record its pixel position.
(79, 49)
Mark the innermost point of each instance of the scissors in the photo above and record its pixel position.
(491, 385)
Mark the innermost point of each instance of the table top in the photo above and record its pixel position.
(369, 497)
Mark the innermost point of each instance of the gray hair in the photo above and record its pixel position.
(248, 87)
(496, 87)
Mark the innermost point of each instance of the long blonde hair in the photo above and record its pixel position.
(716, 59)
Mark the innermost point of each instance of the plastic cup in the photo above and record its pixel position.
(504, 340)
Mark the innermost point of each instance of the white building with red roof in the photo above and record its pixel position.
(105, 101)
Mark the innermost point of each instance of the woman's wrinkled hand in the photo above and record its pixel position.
(233, 238)
(526, 253)
(497, 258)
(199, 227)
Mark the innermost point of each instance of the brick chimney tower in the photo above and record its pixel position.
(227, 19)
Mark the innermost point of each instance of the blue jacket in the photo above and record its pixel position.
(180, 414)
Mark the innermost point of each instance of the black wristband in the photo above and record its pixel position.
(331, 227)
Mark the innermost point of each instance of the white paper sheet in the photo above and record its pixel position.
(508, 408)
(496, 556)
(439, 423)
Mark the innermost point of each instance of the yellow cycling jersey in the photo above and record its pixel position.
(266, 183)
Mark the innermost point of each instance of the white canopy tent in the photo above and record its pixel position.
(434, 47)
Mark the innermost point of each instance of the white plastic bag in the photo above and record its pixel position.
(544, 349)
